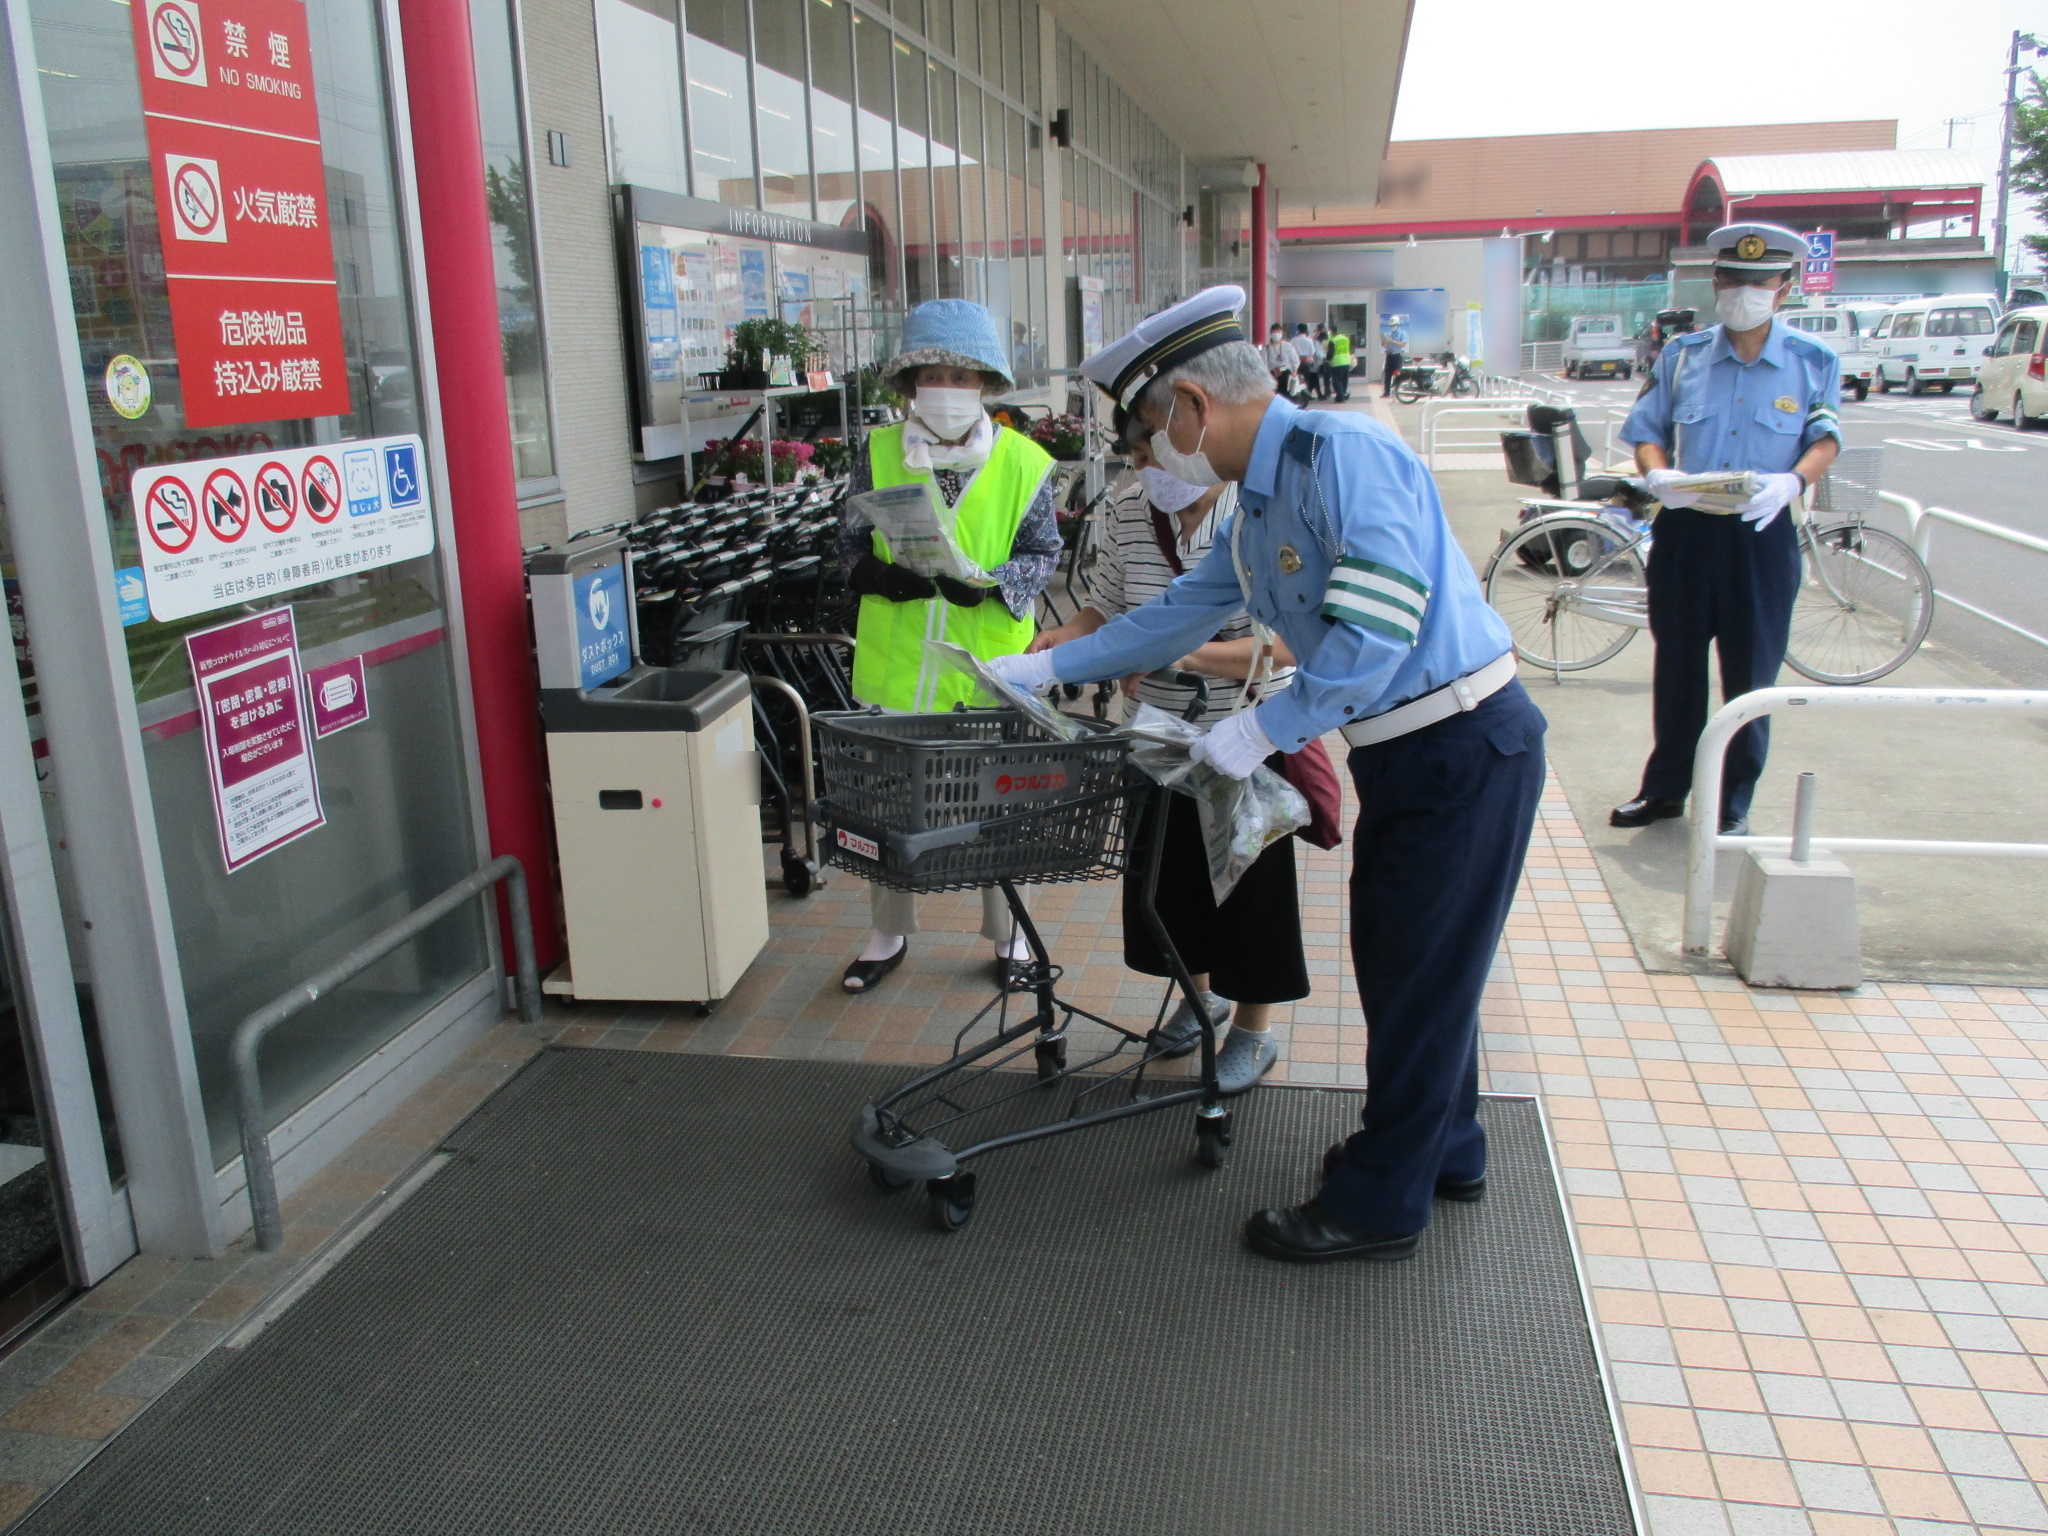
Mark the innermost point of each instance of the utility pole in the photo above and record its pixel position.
(1999, 228)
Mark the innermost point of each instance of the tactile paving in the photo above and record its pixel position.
(658, 1294)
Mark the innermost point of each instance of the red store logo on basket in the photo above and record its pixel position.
(866, 847)
(1023, 783)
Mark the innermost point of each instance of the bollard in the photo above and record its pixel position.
(1802, 820)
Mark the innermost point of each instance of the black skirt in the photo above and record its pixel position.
(1250, 945)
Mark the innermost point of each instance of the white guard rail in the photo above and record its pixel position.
(1706, 841)
(1920, 525)
(1505, 414)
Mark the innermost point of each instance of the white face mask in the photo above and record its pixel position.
(1189, 468)
(1745, 308)
(1165, 492)
(949, 412)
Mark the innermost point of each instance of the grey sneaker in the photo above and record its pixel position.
(1245, 1059)
(1182, 1032)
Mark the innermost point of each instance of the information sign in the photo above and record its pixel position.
(337, 697)
(204, 550)
(1818, 275)
(241, 186)
(259, 757)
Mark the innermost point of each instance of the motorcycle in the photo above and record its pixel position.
(1446, 374)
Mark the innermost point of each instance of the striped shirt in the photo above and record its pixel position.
(1131, 570)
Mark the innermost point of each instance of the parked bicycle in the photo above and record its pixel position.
(1571, 584)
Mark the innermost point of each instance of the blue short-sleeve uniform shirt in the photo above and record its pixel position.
(1710, 410)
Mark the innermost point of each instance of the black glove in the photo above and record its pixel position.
(896, 583)
(959, 593)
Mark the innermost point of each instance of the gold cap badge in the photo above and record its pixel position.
(1750, 247)
(1290, 560)
(1786, 403)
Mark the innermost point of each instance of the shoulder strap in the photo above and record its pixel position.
(1162, 531)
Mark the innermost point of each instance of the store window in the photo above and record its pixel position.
(721, 112)
(639, 78)
(508, 191)
(779, 94)
(832, 140)
(393, 787)
(913, 157)
(948, 257)
(872, 48)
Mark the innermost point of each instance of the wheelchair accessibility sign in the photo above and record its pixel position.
(205, 551)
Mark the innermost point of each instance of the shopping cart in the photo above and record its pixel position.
(978, 797)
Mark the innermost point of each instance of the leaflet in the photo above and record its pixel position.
(1721, 490)
(919, 538)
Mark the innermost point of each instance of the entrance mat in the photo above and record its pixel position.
(659, 1294)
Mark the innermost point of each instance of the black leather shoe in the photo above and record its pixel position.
(863, 974)
(1735, 826)
(1464, 1191)
(1642, 811)
(1301, 1234)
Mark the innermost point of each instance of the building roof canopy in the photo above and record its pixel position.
(1856, 170)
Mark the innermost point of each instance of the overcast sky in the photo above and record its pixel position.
(1481, 67)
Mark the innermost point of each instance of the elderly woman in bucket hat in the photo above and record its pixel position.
(997, 485)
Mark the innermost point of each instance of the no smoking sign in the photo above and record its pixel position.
(196, 212)
(175, 50)
(171, 516)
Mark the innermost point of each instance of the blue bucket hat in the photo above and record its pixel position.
(955, 333)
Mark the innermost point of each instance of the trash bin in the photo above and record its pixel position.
(656, 789)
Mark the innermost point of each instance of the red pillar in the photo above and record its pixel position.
(462, 302)
(1262, 312)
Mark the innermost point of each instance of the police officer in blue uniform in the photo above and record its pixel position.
(1751, 393)
(1340, 546)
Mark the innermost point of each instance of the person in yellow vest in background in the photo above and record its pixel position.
(1340, 365)
(997, 486)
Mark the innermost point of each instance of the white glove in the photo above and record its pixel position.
(1027, 674)
(1778, 493)
(1234, 745)
(1660, 487)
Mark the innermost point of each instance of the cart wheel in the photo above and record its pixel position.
(951, 1201)
(708, 1006)
(1070, 691)
(1052, 1057)
(887, 1182)
(798, 877)
(1212, 1139)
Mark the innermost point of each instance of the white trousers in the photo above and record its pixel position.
(893, 911)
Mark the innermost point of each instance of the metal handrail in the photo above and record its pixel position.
(258, 1169)
(1434, 411)
(1920, 523)
(1705, 840)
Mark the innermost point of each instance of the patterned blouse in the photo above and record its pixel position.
(1034, 552)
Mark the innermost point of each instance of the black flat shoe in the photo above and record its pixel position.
(1464, 1191)
(1644, 810)
(862, 975)
(1301, 1234)
(1735, 826)
(1013, 975)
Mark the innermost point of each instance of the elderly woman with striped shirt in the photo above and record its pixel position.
(1244, 953)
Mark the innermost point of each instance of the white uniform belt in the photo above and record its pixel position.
(1467, 693)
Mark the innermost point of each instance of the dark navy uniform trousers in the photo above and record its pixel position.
(1444, 820)
(1715, 580)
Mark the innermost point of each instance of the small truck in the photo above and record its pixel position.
(1598, 348)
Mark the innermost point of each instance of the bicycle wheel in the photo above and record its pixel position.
(1565, 586)
(1408, 391)
(1864, 604)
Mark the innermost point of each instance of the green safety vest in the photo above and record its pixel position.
(889, 664)
(1340, 350)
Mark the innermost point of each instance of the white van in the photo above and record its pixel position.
(1844, 328)
(1939, 342)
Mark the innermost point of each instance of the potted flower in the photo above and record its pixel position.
(1064, 437)
(754, 342)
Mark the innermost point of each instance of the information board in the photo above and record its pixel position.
(241, 196)
(1818, 273)
(259, 757)
(221, 531)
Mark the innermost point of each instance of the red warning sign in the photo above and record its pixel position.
(320, 489)
(225, 501)
(171, 516)
(277, 497)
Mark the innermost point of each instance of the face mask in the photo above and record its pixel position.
(1165, 492)
(1745, 308)
(949, 412)
(1190, 468)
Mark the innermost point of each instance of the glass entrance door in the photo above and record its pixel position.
(33, 1274)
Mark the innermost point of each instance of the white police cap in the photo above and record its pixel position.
(1166, 340)
(1756, 247)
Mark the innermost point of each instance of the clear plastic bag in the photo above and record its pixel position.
(1240, 818)
(919, 531)
(949, 657)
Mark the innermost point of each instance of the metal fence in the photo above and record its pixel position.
(1920, 525)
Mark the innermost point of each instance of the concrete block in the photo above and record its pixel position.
(1794, 925)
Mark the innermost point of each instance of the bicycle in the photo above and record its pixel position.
(1572, 586)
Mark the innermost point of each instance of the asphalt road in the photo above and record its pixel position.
(1934, 453)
